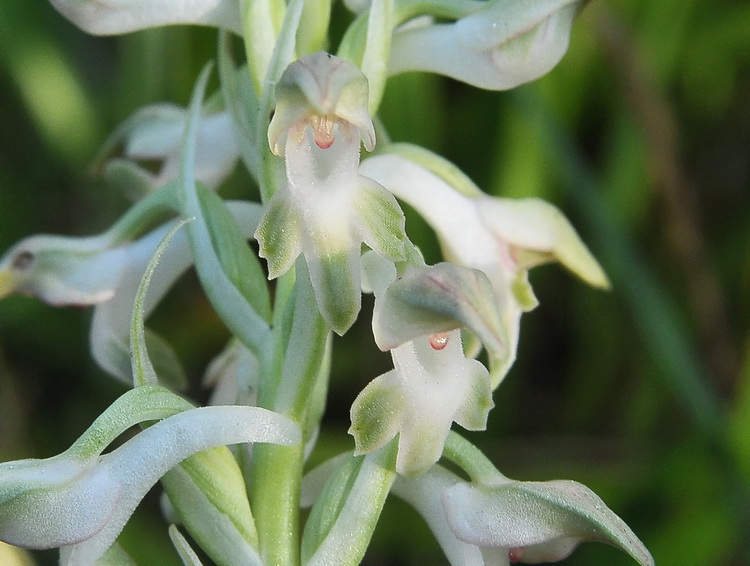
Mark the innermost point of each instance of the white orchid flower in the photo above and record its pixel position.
(111, 17)
(505, 521)
(81, 499)
(105, 271)
(501, 237)
(327, 209)
(498, 47)
(417, 316)
(431, 386)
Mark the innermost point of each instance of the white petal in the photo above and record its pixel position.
(111, 17)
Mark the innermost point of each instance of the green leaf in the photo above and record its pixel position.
(181, 545)
(355, 506)
(239, 262)
(328, 505)
(166, 364)
(143, 369)
(240, 100)
(233, 307)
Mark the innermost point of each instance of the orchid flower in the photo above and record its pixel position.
(501, 237)
(81, 499)
(111, 17)
(154, 133)
(327, 209)
(503, 521)
(105, 271)
(432, 384)
(500, 46)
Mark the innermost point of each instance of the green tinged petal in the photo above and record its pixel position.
(538, 521)
(538, 232)
(376, 413)
(473, 412)
(336, 280)
(442, 297)
(328, 505)
(380, 220)
(356, 510)
(279, 235)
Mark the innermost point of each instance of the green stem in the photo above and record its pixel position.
(277, 476)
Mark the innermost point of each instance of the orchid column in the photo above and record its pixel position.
(296, 113)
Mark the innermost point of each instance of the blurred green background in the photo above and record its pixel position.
(641, 136)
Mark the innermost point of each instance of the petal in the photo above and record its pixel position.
(477, 401)
(74, 503)
(63, 271)
(424, 493)
(501, 46)
(438, 382)
(139, 463)
(526, 514)
(427, 300)
(324, 85)
(279, 235)
(55, 501)
(335, 276)
(539, 232)
(380, 220)
(110, 17)
(453, 216)
(155, 132)
(377, 412)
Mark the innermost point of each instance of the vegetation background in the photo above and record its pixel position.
(641, 135)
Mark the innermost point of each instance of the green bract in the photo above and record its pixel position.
(81, 499)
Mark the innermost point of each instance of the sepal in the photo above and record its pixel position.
(536, 521)
(112, 17)
(439, 298)
(503, 45)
